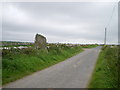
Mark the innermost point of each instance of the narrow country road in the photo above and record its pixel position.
(74, 72)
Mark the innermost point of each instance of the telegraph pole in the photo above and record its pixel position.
(105, 36)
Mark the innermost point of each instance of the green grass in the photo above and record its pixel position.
(0, 71)
(89, 46)
(18, 63)
(105, 74)
(0, 77)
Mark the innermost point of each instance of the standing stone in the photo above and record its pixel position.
(40, 42)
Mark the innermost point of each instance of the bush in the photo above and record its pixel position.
(28, 51)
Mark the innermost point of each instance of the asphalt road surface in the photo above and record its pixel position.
(74, 72)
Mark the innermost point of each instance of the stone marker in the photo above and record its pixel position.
(40, 42)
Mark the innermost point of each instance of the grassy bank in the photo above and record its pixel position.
(105, 74)
(17, 63)
(0, 77)
(0, 68)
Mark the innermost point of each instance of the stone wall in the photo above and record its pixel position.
(14, 43)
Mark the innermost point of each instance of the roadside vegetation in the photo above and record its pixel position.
(105, 74)
(89, 46)
(17, 63)
(0, 68)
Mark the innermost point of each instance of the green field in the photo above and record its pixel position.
(17, 46)
(89, 46)
(105, 74)
(17, 63)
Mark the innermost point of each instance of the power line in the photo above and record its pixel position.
(113, 10)
(105, 38)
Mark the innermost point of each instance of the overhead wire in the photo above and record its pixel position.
(109, 21)
(113, 10)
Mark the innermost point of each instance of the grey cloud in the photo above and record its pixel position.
(64, 21)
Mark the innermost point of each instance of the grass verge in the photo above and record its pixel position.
(18, 63)
(105, 74)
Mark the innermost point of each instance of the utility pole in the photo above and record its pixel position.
(105, 36)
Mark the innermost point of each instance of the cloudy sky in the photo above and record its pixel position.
(64, 22)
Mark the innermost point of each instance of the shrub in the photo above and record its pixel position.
(29, 51)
